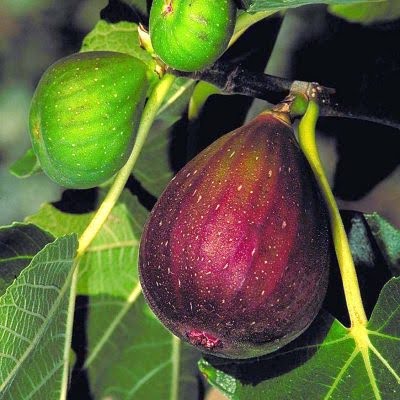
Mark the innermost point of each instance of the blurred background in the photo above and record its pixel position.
(33, 34)
(308, 43)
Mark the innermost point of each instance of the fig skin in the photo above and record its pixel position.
(190, 35)
(234, 258)
(84, 115)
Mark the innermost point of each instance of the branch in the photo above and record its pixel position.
(233, 79)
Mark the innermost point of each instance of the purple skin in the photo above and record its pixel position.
(235, 256)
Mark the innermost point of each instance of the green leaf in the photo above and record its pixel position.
(59, 223)
(131, 356)
(26, 166)
(368, 13)
(141, 355)
(384, 334)
(388, 239)
(264, 5)
(34, 346)
(121, 37)
(153, 168)
(19, 243)
(110, 264)
(340, 364)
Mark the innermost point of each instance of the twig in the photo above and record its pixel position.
(233, 79)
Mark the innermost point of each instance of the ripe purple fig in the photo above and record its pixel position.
(234, 258)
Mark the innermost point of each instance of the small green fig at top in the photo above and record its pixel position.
(84, 116)
(189, 35)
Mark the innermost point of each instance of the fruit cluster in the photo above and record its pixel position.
(87, 107)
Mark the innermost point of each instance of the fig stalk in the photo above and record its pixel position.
(149, 114)
(341, 243)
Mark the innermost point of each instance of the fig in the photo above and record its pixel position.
(234, 258)
(189, 35)
(84, 115)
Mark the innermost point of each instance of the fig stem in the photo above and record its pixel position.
(345, 260)
(176, 361)
(68, 332)
(149, 113)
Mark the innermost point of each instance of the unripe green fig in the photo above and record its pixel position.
(189, 35)
(84, 115)
(234, 258)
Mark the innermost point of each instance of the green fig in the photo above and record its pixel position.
(234, 258)
(84, 116)
(189, 35)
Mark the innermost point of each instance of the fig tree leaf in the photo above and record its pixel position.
(121, 328)
(388, 239)
(345, 364)
(368, 12)
(34, 345)
(109, 266)
(153, 168)
(26, 166)
(144, 361)
(58, 223)
(19, 243)
(263, 5)
(121, 37)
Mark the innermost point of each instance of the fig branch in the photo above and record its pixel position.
(233, 79)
